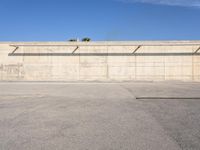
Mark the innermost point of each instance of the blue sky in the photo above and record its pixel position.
(60, 20)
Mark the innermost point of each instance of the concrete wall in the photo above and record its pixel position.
(101, 61)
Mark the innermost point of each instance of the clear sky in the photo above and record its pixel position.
(60, 20)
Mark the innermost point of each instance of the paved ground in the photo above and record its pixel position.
(97, 116)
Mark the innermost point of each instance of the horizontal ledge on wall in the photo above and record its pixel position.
(104, 54)
(90, 45)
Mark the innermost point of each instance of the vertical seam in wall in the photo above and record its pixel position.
(135, 67)
(50, 62)
(23, 62)
(107, 64)
(192, 67)
(164, 66)
(79, 65)
(1, 72)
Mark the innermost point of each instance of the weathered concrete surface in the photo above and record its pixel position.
(100, 61)
(99, 116)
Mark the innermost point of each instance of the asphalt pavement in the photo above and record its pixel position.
(100, 116)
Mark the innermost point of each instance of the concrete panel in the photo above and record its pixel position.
(93, 73)
(101, 61)
(121, 73)
(12, 72)
(87, 61)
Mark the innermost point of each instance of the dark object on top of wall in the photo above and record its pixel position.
(73, 40)
(86, 39)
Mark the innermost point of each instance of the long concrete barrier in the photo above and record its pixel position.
(100, 61)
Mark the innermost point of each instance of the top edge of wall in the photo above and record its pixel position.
(105, 43)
